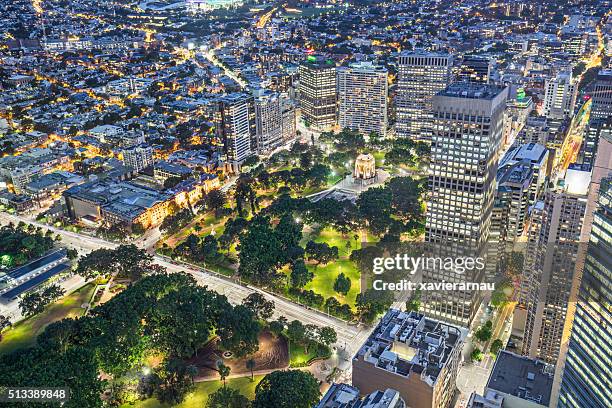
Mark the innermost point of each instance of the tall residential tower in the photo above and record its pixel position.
(362, 96)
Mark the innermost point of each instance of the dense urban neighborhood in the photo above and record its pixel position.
(305, 203)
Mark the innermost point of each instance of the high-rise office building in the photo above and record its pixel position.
(599, 170)
(235, 123)
(536, 130)
(268, 121)
(362, 98)
(550, 263)
(586, 375)
(516, 115)
(318, 92)
(420, 76)
(596, 130)
(560, 96)
(465, 147)
(138, 157)
(602, 95)
(475, 68)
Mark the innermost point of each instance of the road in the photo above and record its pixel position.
(573, 140)
(349, 336)
(212, 58)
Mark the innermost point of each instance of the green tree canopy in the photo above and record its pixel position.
(287, 389)
(226, 397)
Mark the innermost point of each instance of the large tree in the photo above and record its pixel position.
(182, 321)
(175, 381)
(322, 253)
(259, 305)
(374, 206)
(239, 331)
(100, 262)
(260, 252)
(215, 200)
(287, 389)
(288, 233)
(33, 303)
(406, 197)
(300, 274)
(296, 331)
(372, 303)
(226, 397)
(364, 257)
(327, 335)
(342, 284)
(126, 261)
(75, 369)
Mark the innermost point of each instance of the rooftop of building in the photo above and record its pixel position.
(137, 148)
(410, 343)
(522, 377)
(577, 179)
(46, 181)
(318, 61)
(518, 174)
(234, 97)
(347, 396)
(125, 199)
(339, 396)
(421, 53)
(490, 399)
(605, 74)
(533, 153)
(471, 91)
(366, 66)
(173, 168)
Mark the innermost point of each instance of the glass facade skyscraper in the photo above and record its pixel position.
(587, 373)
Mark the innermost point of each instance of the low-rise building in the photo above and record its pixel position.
(346, 396)
(413, 354)
(521, 381)
(51, 185)
(110, 202)
(164, 170)
(490, 399)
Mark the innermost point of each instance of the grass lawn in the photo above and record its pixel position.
(325, 276)
(379, 157)
(198, 398)
(334, 238)
(330, 182)
(206, 220)
(298, 356)
(222, 269)
(24, 333)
